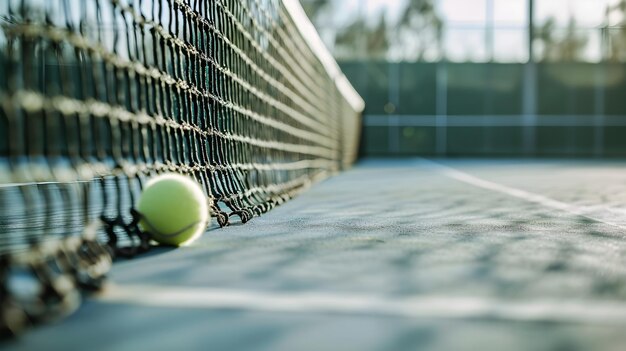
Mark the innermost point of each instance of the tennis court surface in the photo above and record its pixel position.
(391, 255)
(321, 247)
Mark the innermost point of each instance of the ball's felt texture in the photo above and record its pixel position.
(173, 209)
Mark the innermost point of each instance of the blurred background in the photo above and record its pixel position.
(483, 77)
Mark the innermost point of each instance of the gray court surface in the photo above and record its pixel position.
(391, 255)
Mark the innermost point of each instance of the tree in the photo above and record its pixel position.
(419, 30)
(413, 36)
(614, 34)
(315, 8)
(568, 47)
(359, 40)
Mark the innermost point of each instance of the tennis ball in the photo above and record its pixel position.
(173, 209)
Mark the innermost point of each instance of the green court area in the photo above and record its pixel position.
(390, 255)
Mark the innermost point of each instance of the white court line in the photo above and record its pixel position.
(545, 201)
(435, 306)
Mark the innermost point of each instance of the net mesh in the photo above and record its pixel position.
(97, 96)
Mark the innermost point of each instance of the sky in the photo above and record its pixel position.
(466, 20)
(589, 13)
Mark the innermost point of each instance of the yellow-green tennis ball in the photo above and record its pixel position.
(174, 209)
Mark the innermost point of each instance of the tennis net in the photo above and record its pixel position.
(97, 96)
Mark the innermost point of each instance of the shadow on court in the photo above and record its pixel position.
(391, 255)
